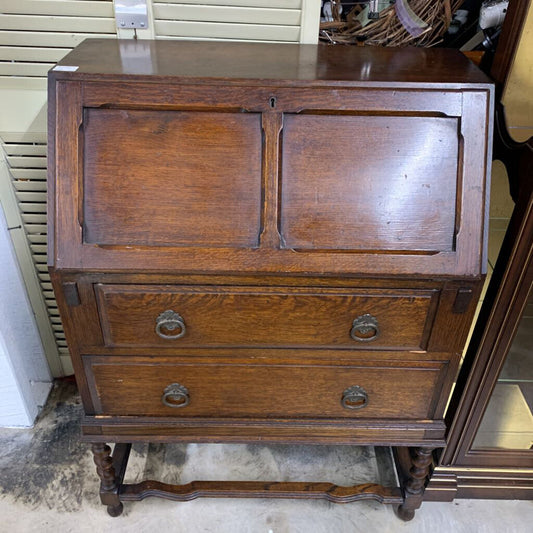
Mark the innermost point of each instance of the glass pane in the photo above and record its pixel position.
(508, 420)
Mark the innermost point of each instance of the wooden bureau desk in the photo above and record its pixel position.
(274, 243)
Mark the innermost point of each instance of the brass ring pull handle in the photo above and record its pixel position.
(169, 321)
(365, 328)
(354, 397)
(175, 395)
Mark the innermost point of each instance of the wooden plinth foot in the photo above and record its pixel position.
(115, 510)
(404, 514)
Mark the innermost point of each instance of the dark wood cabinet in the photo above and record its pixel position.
(470, 467)
(275, 243)
(476, 463)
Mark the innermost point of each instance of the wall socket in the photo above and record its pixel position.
(131, 14)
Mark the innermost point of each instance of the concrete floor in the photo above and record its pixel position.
(48, 484)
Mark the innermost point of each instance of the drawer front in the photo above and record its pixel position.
(186, 316)
(162, 387)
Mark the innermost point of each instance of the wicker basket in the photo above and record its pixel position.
(388, 30)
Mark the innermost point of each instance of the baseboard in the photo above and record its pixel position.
(449, 483)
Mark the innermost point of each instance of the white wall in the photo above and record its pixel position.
(25, 379)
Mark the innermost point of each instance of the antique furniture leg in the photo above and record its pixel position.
(413, 469)
(111, 471)
(413, 466)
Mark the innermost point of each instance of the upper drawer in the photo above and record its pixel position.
(185, 316)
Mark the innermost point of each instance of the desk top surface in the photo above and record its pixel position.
(256, 63)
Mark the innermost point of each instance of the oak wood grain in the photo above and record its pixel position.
(208, 251)
(175, 95)
(136, 387)
(364, 432)
(270, 195)
(391, 188)
(308, 65)
(248, 316)
(260, 489)
(174, 175)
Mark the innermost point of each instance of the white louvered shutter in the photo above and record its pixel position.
(249, 20)
(35, 34)
(25, 156)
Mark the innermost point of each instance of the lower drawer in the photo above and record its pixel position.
(144, 386)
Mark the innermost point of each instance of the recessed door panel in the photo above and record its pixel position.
(369, 183)
(171, 178)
